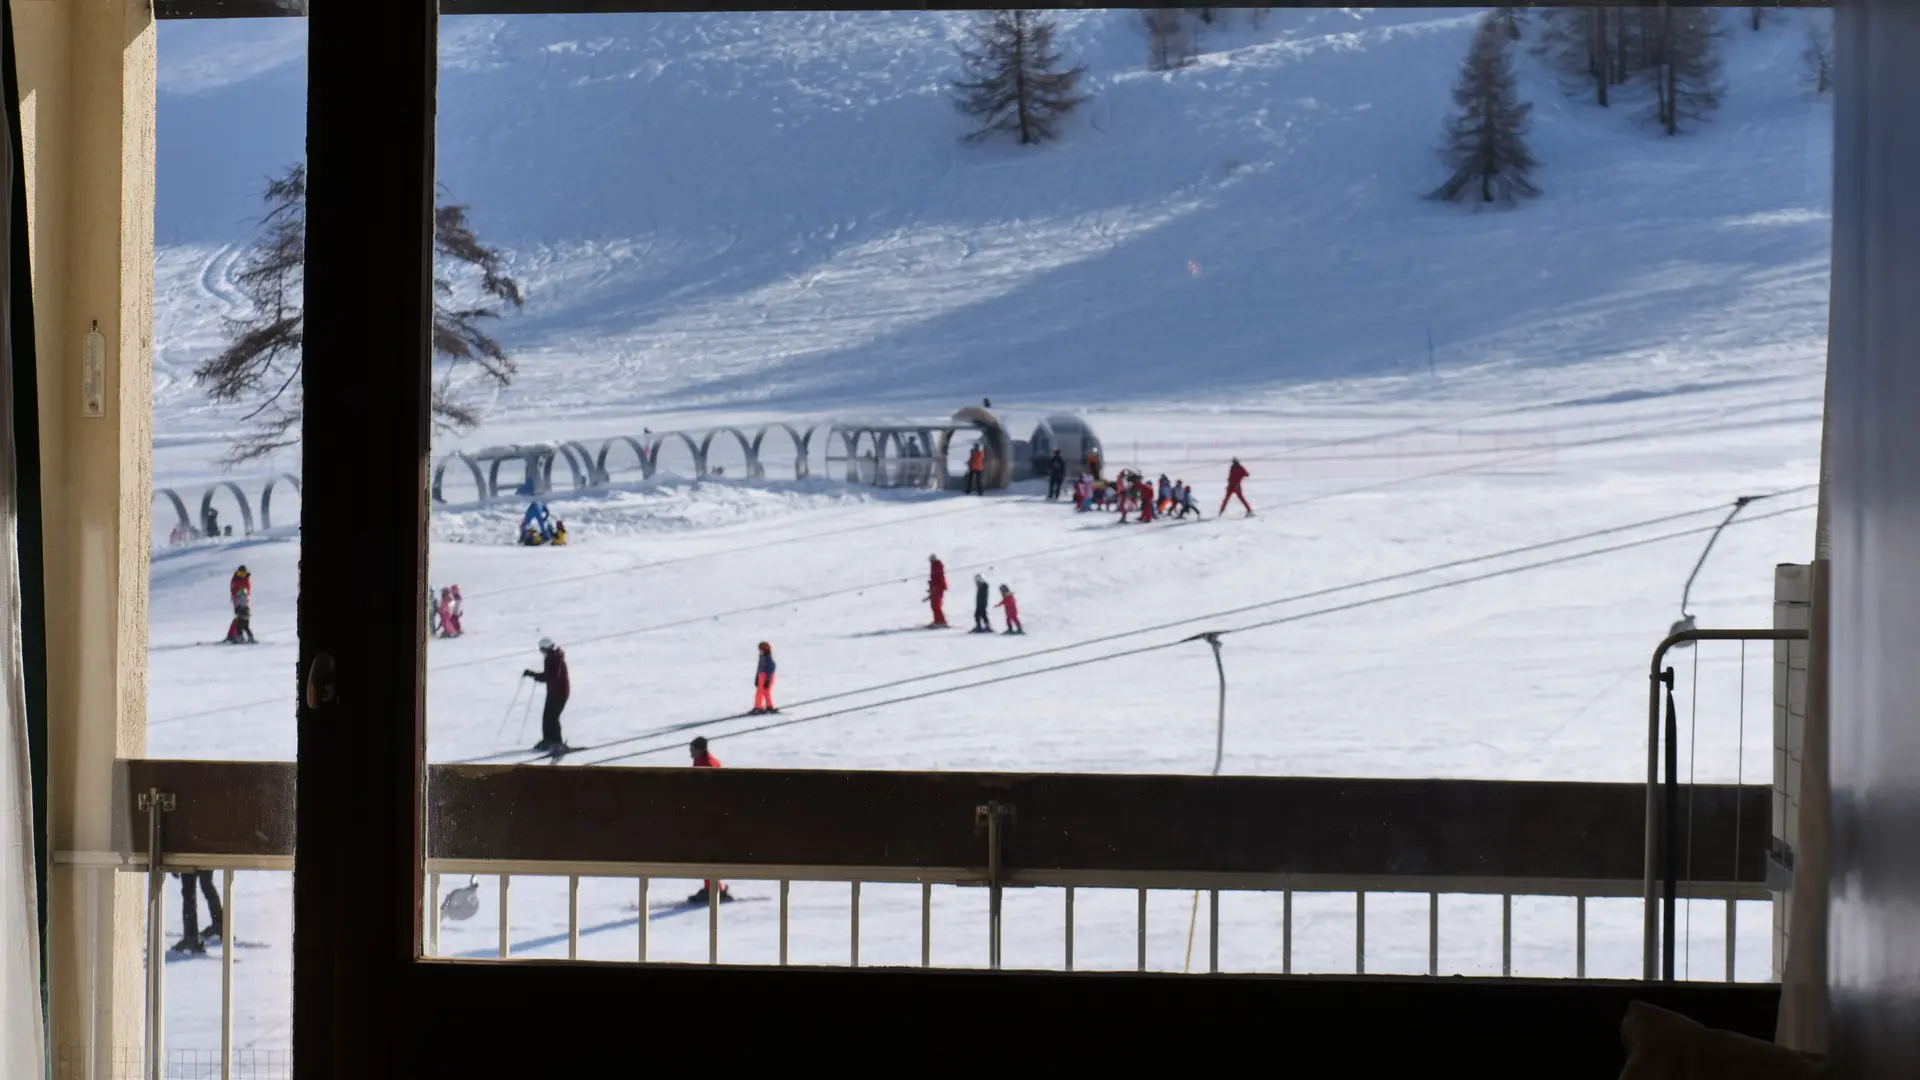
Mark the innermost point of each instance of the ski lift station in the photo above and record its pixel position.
(927, 453)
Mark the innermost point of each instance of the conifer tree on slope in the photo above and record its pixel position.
(1170, 40)
(1818, 55)
(1486, 142)
(1685, 67)
(262, 360)
(1014, 81)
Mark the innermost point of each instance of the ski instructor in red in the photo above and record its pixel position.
(937, 588)
(1236, 473)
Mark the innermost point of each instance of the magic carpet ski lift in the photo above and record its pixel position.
(1686, 621)
(462, 903)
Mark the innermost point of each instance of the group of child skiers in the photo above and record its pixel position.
(982, 623)
(240, 592)
(443, 612)
(1130, 493)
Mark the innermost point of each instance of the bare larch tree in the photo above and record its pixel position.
(261, 363)
(1581, 44)
(1486, 145)
(1014, 81)
(1684, 67)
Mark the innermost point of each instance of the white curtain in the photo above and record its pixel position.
(22, 1044)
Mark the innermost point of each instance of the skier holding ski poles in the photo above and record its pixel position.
(553, 673)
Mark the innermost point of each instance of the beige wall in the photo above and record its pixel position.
(87, 89)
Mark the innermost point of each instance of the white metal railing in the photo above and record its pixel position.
(156, 1060)
(1142, 883)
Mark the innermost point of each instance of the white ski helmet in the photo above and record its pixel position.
(546, 644)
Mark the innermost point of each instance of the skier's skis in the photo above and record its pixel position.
(175, 956)
(670, 908)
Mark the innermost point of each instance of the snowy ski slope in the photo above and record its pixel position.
(727, 219)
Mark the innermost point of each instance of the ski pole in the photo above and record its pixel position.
(525, 715)
(508, 715)
(1219, 754)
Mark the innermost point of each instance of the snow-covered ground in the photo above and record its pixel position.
(730, 219)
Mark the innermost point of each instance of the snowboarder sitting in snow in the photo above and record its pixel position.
(763, 682)
(559, 537)
(1013, 611)
(702, 759)
(554, 674)
(981, 623)
(530, 535)
(240, 591)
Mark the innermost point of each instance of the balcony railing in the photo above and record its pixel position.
(1074, 832)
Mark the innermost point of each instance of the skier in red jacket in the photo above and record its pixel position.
(702, 759)
(240, 592)
(937, 588)
(1013, 611)
(1235, 474)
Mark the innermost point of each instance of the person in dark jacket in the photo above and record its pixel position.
(554, 674)
(763, 682)
(1056, 475)
(981, 623)
(193, 939)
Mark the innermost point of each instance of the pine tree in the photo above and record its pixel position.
(262, 359)
(1486, 143)
(1510, 18)
(1818, 56)
(1170, 40)
(1014, 82)
(1685, 66)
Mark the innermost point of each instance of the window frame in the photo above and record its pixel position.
(366, 1004)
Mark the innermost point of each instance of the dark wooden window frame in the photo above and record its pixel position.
(365, 1004)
